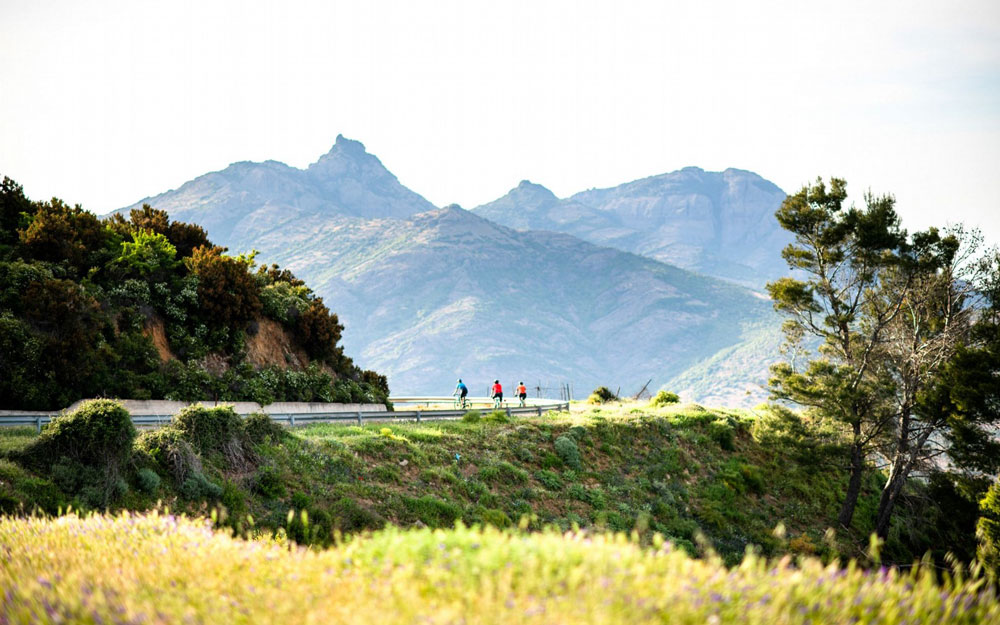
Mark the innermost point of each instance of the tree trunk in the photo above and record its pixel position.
(854, 484)
(888, 501)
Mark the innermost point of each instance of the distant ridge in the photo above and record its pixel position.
(718, 223)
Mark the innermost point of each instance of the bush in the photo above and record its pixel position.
(268, 482)
(148, 480)
(199, 487)
(167, 447)
(473, 416)
(601, 395)
(432, 511)
(664, 398)
(496, 518)
(721, 431)
(567, 450)
(988, 531)
(549, 479)
(261, 428)
(228, 293)
(497, 416)
(504, 472)
(348, 516)
(97, 438)
(216, 430)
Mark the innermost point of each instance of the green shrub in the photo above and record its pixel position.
(148, 480)
(432, 511)
(721, 431)
(567, 449)
(473, 416)
(268, 482)
(261, 428)
(664, 398)
(988, 531)
(503, 472)
(199, 487)
(95, 439)
(601, 395)
(213, 430)
(167, 447)
(549, 479)
(348, 516)
(234, 500)
(551, 461)
(496, 518)
(497, 416)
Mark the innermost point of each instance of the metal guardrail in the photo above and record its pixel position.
(426, 413)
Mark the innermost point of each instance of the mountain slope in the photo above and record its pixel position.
(718, 223)
(246, 199)
(429, 295)
(447, 294)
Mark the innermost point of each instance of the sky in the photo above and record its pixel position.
(104, 103)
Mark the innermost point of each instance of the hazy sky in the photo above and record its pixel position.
(103, 103)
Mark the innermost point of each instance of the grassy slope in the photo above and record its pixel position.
(162, 569)
(680, 471)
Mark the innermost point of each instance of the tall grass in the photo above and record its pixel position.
(159, 568)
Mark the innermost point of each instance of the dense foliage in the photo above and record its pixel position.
(82, 299)
(907, 333)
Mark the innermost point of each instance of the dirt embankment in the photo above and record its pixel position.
(272, 345)
(156, 330)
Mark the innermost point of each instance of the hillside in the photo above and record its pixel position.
(432, 295)
(680, 471)
(143, 307)
(447, 294)
(720, 224)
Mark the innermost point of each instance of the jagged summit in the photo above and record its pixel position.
(248, 197)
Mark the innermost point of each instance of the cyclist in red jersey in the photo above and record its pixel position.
(497, 393)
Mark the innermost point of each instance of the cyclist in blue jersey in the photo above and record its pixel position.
(460, 392)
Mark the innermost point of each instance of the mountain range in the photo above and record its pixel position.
(645, 281)
(717, 223)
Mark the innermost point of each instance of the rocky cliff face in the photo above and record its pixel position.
(718, 223)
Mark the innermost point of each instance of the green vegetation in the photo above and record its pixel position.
(696, 476)
(908, 327)
(180, 570)
(601, 395)
(147, 308)
(664, 398)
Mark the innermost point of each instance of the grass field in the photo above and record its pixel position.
(164, 569)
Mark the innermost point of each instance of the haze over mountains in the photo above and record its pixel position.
(428, 294)
(717, 223)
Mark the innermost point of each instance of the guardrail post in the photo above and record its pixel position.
(38, 424)
(539, 409)
(418, 416)
(359, 417)
(508, 411)
(292, 419)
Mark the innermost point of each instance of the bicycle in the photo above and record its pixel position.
(461, 402)
(496, 402)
